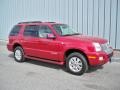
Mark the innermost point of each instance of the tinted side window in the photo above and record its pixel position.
(31, 30)
(43, 31)
(15, 30)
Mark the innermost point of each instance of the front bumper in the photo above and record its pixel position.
(99, 58)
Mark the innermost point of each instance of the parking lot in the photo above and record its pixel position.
(35, 75)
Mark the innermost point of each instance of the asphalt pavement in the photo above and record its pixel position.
(36, 75)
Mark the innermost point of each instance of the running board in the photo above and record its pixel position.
(45, 60)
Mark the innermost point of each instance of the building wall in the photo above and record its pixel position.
(90, 17)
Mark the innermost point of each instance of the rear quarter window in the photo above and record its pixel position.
(15, 30)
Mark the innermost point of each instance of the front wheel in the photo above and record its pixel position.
(76, 63)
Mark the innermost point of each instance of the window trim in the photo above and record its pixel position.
(37, 36)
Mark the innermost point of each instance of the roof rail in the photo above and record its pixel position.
(30, 22)
(50, 22)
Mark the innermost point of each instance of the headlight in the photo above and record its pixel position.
(97, 46)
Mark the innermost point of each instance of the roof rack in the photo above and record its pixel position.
(50, 22)
(30, 22)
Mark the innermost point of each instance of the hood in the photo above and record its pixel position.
(87, 38)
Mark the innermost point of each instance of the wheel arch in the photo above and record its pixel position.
(69, 51)
(16, 44)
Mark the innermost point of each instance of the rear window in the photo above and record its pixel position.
(15, 30)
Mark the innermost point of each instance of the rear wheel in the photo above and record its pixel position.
(76, 63)
(19, 54)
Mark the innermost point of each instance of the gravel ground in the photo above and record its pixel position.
(36, 75)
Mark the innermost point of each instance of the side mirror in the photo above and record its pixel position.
(51, 36)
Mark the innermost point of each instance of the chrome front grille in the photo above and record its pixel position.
(106, 48)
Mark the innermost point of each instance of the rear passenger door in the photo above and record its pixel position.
(30, 40)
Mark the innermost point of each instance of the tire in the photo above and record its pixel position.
(19, 54)
(76, 63)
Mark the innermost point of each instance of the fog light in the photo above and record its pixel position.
(101, 58)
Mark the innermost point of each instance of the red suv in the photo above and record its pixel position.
(59, 44)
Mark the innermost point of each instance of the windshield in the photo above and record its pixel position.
(64, 30)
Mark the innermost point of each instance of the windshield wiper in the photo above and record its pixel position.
(71, 34)
(67, 35)
(76, 34)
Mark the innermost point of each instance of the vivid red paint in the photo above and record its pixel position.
(54, 50)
